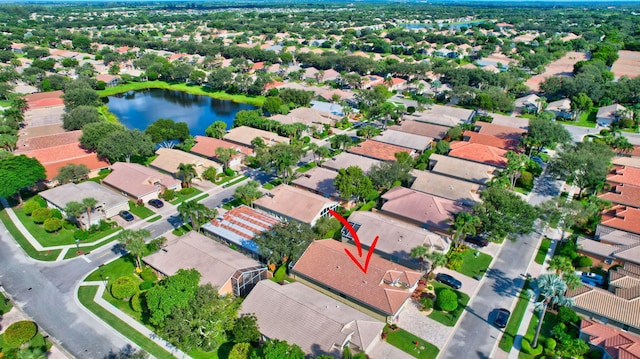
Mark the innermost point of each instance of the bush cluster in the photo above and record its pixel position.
(447, 300)
(40, 215)
(527, 349)
(29, 206)
(138, 303)
(124, 287)
(19, 333)
(169, 194)
(52, 224)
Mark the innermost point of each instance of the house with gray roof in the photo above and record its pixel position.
(243, 135)
(320, 181)
(609, 114)
(109, 204)
(462, 169)
(447, 187)
(404, 139)
(395, 237)
(445, 115)
(436, 132)
(346, 159)
(288, 202)
(317, 323)
(229, 271)
(139, 182)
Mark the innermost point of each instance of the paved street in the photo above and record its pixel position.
(546, 187)
(476, 336)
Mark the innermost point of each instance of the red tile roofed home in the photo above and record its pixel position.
(206, 146)
(620, 217)
(53, 158)
(489, 140)
(616, 343)
(625, 175)
(58, 139)
(273, 84)
(44, 99)
(478, 153)
(623, 194)
(382, 292)
(379, 150)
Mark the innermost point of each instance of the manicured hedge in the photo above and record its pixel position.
(19, 333)
(124, 287)
(526, 347)
(447, 300)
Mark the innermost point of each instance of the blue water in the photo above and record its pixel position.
(138, 109)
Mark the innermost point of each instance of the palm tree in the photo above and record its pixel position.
(196, 213)
(465, 223)
(225, 155)
(419, 252)
(560, 264)
(75, 209)
(368, 131)
(133, 241)
(187, 171)
(549, 289)
(437, 259)
(89, 205)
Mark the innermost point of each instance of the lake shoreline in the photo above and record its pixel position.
(183, 87)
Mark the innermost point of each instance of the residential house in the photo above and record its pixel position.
(462, 169)
(320, 181)
(403, 139)
(243, 135)
(109, 203)
(624, 175)
(625, 161)
(619, 306)
(371, 81)
(328, 107)
(609, 114)
(477, 152)
(619, 217)
(330, 75)
(395, 237)
(445, 115)
(206, 146)
(44, 99)
(561, 108)
(238, 227)
(169, 159)
(346, 160)
(528, 104)
(139, 182)
(379, 150)
(493, 141)
(398, 84)
(513, 133)
(318, 324)
(110, 80)
(229, 271)
(615, 343)
(623, 194)
(467, 193)
(288, 202)
(308, 116)
(505, 122)
(436, 132)
(428, 211)
(381, 292)
(615, 247)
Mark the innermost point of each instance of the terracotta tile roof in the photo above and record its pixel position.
(617, 343)
(138, 180)
(623, 194)
(90, 160)
(490, 140)
(325, 262)
(447, 187)
(423, 208)
(43, 95)
(462, 169)
(604, 303)
(53, 158)
(379, 150)
(422, 129)
(58, 139)
(169, 159)
(244, 135)
(478, 153)
(625, 174)
(505, 132)
(636, 151)
(623, 218)
(206, 146)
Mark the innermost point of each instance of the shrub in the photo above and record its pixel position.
(583, 261)
(80, 234)
(52, 224)
(241, 351)
(29, 206)
(527, 349)
(526, 180)
(124, 287)
(148, 275)
(146, 285)
(306, 139)
(67, 224)
(626, 122)
(229, 172)
(550, 344)
(55, 213)
(367, 206)
(19, 333)
(39, 199)
(210, 174)
(187, 191)
(157, 243)
(447, 300)
(427, 303)
(169, 194)
(138, 302)
(567, 315)
(104, 226)
(40, 215)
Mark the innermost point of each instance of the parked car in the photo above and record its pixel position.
(537, 160)
(156, 203)
(126, 215)
(448, 280)
(502, 318)
(477, 240)
(589, 278)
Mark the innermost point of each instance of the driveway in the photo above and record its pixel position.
(384, 350)
(417, 323)
(546, 187)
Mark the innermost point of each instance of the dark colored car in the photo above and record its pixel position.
(477, 240)
(537, 160)
(448, 280)
(156, 203)
(126, 215)
(502, 318)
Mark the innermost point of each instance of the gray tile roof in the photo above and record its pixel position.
(70, 192)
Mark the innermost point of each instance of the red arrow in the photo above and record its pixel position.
(356, 239)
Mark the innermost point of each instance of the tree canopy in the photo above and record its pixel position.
(586, 163)
(80, 116)
(285, 242)
(503, 212)
(166, 129)
(96, 132)
(18, 172)
(171, 293)
(122, 145)
(352, 183)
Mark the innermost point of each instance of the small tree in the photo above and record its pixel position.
(89, 204)
(246, 329)
(248, 192)
(40, 215)
(19, 333)
(436, 259)
(187, 172)
(241, 351)
(225, 155)
(447, 300)
(30, 206)
(216, 129)
(52, 224)
(133, 241)
(124, 288)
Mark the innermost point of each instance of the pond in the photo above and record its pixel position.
(138, 109)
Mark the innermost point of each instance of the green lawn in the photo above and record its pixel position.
(542, 251)
(586, 119)
(306, 167)
(183, 197)
(510, 332)
(121, 267)
(473, 266)
(448, 319)
(272, 184)
(72, 253)
(185, 228)
(86, 295)
(154, 218)
(5, 305)
(405, 341)
(181, 86)
(140, 211)
(50, 255)
(38, 341)
(231, 204)
(237, 179)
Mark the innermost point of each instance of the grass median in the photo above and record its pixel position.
(49, 255)
(510, 332)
